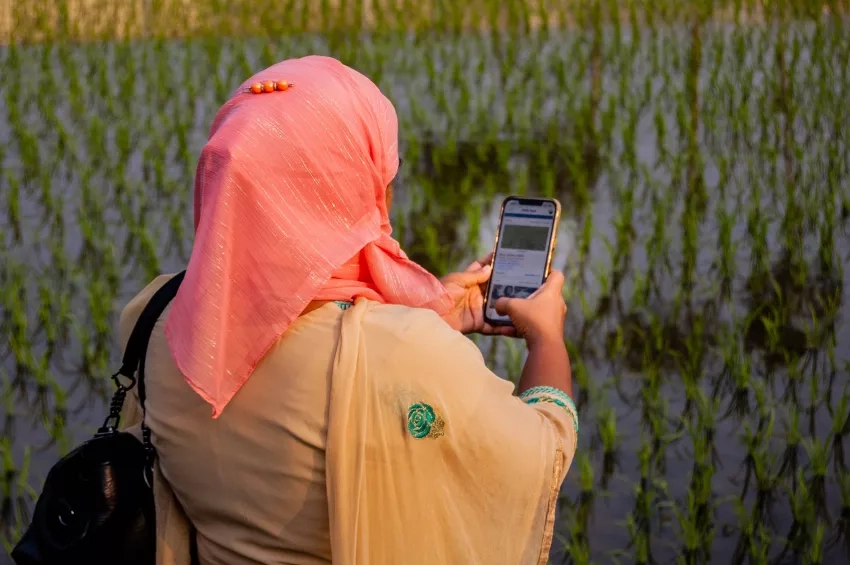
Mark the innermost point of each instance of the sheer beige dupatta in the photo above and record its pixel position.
(430, 458)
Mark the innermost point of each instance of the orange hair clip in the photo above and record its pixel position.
(269, 86)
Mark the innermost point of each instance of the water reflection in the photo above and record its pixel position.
(710, 344)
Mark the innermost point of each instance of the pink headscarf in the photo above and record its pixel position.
(289, 207)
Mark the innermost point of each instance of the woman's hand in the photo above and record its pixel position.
(467, 289)
(540, 317)
(540, 320)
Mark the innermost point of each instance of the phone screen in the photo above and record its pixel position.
(519, 265)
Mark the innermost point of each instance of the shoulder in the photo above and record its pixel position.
(131, 312)
(419, 337)
(395, 317)
(412, 326)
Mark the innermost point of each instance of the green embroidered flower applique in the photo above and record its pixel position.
(423, 422)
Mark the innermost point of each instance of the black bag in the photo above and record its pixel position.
(97, 504)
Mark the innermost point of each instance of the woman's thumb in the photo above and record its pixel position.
(503, 304)
(555, 279)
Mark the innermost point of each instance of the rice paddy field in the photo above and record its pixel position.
(700, 152)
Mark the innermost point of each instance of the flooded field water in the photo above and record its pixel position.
(704, 172)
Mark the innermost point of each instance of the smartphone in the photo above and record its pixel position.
(523, 251)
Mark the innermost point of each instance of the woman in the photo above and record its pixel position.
(352, 421)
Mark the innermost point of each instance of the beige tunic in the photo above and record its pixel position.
(374, 434)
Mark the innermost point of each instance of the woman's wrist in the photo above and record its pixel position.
(545, 342)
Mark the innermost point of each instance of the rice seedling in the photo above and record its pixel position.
(840, 539)
(697, 149)
(840, 429)
(818, 455)
(739, 404)
(586, 497)
(581, 383)
(697, 529)
(607, 424)
(704, 433)
(15, 493)
(576, 550)
(804, 514)
(814, 556)
(754, 539)
(793, 439)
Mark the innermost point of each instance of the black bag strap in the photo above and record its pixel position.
(133, 368)
(137, 345)
(133, 363)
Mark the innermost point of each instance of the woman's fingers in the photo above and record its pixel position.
(482, 262)
(506, 331)
(535, 293)
(475, 277)
(554, 283)
(469, 278)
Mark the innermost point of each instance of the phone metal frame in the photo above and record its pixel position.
(553, 240)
